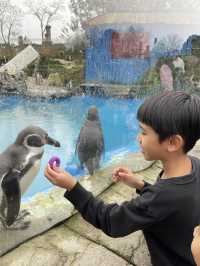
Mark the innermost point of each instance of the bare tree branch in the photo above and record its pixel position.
(10, 16)
(46, 13)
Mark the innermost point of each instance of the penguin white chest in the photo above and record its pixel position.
(29, 176)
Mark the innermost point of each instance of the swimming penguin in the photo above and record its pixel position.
(90, 142)
(19, 165)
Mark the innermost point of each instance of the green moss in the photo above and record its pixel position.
(74, 72)
(54, 79)
(66, 70)
(195, 47)
(150, 78)
(30, 69)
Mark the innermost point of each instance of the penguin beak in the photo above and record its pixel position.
(53, 142)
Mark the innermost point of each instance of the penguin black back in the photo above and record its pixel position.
(19, 165)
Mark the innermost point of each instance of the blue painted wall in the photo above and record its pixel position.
(102, 68)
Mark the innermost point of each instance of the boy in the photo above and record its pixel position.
(167, 211)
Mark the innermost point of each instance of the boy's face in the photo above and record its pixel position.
(151, 148)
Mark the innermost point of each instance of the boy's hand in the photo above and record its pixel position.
(126, 176)
(59, 177)
(196, 245)
(196, 232)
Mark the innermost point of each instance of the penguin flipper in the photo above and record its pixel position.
(12, 196)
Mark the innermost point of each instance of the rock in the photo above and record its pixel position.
(166, 77)
(12, 86)
(59, 247)
(179, 63)
(55, 80)
(191, 60)
(44, 206)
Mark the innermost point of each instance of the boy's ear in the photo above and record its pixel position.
(175, 143)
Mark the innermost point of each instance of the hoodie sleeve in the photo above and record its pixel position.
(113, 219)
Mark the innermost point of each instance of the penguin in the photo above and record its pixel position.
(90, 142)
(19, 165)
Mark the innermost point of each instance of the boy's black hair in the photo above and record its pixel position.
(173, 113)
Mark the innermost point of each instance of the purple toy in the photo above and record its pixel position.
(55, 160)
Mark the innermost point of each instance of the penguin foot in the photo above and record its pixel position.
(22, 226)
(19, 224)
(22, 215)
(19, 220)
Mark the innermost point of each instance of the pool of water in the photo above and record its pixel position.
(62, 119)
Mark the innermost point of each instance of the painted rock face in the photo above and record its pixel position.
(166, 77)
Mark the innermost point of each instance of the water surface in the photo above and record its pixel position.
(62, 119)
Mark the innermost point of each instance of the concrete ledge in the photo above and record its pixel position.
(62, 247)
(75, 242)
(49, 209)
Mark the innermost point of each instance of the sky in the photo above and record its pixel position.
(31, 26)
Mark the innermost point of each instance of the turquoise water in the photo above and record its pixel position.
(62, 119)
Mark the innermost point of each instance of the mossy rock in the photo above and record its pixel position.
(54, 79)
